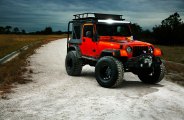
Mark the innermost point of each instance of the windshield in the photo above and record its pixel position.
(113, 30)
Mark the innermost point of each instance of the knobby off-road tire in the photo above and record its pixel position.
(109, 72)
(73, 64)
(155, 77)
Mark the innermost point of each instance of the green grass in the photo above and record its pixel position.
(173, 53)
(10, 43)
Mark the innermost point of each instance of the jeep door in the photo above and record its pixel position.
(88, 46)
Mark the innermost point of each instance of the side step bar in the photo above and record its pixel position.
(89, 58)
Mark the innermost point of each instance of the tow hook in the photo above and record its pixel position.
(146, 61)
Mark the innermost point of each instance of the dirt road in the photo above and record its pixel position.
(55, 95)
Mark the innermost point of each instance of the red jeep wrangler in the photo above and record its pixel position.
(105, 41)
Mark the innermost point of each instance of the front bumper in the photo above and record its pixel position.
(144, 61)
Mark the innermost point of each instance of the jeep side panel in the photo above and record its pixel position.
(88, 46)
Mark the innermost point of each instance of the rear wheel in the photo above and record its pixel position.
(109, 72)
(73, 64)
(155, 76)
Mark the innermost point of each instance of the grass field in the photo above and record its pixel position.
(10, 43)
(13, 71)
(175, 68)
(173, 53)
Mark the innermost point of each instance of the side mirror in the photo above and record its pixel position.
(89, 34)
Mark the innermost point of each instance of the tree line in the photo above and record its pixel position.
(11, 30)
(16, 30)
(169, 32)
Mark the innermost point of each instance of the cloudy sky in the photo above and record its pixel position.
(33, 15)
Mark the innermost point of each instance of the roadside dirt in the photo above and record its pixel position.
(55, 95)
(175, 72)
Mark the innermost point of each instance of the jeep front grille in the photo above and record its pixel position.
(138, 50)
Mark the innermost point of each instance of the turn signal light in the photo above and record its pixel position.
(123, 53)
(157, 52)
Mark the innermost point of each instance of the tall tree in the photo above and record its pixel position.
(48, 30)
(170, 31)
(16, 30)
(8, 29)
(173, 21)
(23, 31)
(2, 30)
(136, 30)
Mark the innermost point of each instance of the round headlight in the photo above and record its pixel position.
(129, 49)
(150, 50)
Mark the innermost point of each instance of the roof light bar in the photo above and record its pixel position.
(110, 21)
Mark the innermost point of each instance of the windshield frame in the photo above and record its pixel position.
(115, 24)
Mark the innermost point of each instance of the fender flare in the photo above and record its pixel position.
(115, 53)
(75, 48)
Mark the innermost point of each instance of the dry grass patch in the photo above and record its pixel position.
(10, 43)
(173, 53)
(175, 69)
(175, 72)
(13, 71)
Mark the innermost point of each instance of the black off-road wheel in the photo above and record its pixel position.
(109, 72)
(73, 64)
(155, 76)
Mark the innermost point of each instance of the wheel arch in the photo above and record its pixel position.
(74, 48)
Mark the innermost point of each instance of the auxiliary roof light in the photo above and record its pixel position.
(111, 21)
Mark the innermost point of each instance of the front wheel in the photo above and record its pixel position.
(155, 76)
(109, 72)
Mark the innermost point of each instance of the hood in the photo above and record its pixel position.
(135, 43)
(123, 41)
